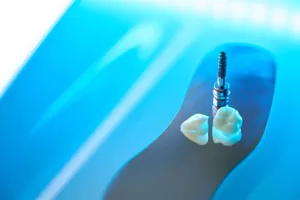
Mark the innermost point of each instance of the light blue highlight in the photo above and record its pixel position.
(64, 56)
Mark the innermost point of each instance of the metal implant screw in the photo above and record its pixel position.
(222, 69)
(221, 90)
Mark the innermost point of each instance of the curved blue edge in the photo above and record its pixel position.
(73, 45)
(171, 155)
(244, 184)
(81, 37)
(270, 170)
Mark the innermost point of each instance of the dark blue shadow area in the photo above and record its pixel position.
(80, 38)
(175, 168)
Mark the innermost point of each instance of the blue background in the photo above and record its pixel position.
(83, 35)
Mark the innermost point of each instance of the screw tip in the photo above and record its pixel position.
(222, 64)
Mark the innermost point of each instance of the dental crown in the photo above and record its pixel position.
(227, 122)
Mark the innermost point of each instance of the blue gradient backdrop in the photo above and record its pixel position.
(83, 35)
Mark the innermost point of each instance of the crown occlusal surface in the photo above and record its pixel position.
(195, 129)
(227, 126)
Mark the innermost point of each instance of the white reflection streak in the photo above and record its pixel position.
(24, 26)
(144, 36)
(157, 69)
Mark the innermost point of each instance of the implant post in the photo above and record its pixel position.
(221, 90)
(222, 70)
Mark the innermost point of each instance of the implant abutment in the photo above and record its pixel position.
(221, 82)
(221, 90)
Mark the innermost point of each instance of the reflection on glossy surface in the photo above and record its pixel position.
(183, 170)
(81, 37)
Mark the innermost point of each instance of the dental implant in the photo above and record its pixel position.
(221, 90)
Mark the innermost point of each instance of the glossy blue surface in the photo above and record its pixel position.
(84, 34)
